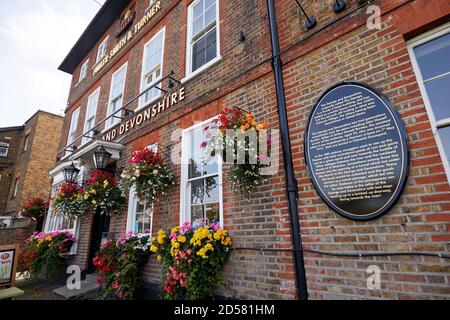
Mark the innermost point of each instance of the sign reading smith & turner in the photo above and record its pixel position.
(356, 151)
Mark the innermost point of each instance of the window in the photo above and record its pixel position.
(91, 110)
(102, 49)
(152, 67)
(201, 184)
(16, 187)
(431, 59)
(203, 35)
(4, 147)
(73, 127)
(140, 216)
(59, 222)
(25, 145)
(116, 94)
(83, 70)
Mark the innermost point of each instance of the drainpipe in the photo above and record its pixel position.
(291, 181)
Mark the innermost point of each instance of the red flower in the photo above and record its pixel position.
(100, 176)
(203, 144)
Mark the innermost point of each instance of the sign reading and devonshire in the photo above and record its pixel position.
(356, 151)
(148, 113)
(128, 35)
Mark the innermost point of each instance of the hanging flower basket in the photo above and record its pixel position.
(43, 252)
(235, 136)
(118, 264)
(69, 201)
(192, 260)
(148, 174)
(102, 195)
(35, 208)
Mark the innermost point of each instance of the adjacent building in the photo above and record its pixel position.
(154, 73)
(26, 154)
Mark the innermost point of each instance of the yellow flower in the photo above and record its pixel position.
(227, 241)
(86, 196)
(92, 191)
(209, 247)
(175, 244)
(105, 184)
(94, 202)
(161, 239)
(176, 229)
(153, 239)
(181, 239)
(158, 257)
(49, 238)
(153, 248)
(201, 252)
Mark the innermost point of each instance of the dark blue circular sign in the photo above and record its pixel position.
(356, 151)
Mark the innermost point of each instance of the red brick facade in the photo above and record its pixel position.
(340, 48)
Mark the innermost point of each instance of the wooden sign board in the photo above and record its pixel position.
(8, 265)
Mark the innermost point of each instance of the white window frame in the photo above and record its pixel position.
(113, 121)
(4, 145)
(25, 144)
(104, 44)
(185, 214)
(133, 201)
(52, 220)
(189, 44)
(142, 102)
(16, 187)
(73, 127)
(85, 140)
(83, 70)
(413, 43)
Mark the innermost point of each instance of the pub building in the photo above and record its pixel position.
(358, 94)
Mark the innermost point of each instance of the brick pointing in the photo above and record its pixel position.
(340, 48)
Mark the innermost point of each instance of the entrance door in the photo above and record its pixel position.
(100, 229)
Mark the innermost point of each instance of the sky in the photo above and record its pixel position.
(35, 37)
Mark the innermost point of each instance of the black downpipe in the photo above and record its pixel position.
(291, 182)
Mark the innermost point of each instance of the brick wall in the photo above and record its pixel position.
(339, 48)
(13, 137)
(420, 220)
(32, 165)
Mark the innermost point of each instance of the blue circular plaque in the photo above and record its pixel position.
(356, 151)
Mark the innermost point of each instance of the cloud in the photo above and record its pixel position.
(35, 36)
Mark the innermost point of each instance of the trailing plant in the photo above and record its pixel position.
(148, 174)
(69, 201)
(192, 260)
(44, 251)
(236, 136)
(35, 208)
(102, 195)
(118, 264)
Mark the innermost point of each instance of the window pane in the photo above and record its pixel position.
(433, 57)
(197, 214)
(439, 94)
(195, 165)
(198, 10)
(212, 189)
(212, 212)
(444, 134)
(197, 191)
(210, 15)
(209, 3)
(198, 26)
(211, 45)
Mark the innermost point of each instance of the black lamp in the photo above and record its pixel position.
(101, 158)
(71, 173)
(339, 6)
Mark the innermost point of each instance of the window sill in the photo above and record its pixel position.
(201, 69)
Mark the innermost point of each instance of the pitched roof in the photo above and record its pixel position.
(107, 14)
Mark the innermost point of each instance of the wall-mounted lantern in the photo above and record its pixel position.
(101, 158)
(71, 173)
